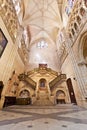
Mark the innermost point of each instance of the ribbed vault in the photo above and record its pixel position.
(43, 18)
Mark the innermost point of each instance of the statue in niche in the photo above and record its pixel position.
(42, 83)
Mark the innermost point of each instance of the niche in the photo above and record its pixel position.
(82, 11)
(60, 97)
(75, 26)
(42, 83)
(78, 20)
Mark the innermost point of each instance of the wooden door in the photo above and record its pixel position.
(71, 91)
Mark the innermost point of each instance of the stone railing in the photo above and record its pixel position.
(54, 82)
(25, 78)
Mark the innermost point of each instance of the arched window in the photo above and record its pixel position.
(17, 5)
(42, 44)
(69, 6)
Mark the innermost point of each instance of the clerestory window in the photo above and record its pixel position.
(42, 44)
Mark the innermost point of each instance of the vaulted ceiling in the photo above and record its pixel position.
(43, 18)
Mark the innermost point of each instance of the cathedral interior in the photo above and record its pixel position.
(43, 64)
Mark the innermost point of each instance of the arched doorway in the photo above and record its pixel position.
(24, 98)
(60, 97)
(71, 91)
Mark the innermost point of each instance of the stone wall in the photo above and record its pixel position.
(9, 60)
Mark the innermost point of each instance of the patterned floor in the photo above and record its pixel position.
(59, 117)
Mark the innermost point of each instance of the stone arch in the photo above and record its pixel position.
(60, 97)
(82, 60)
(24, 97)
(42, 83)
(24, 93)
(85, 49)
(82, 48)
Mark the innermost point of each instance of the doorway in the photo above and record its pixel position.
(60, 97)
(71, 91)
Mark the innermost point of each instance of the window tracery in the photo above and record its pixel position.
(69, 6)
(17, 5)
(42, 44)
(75, 21)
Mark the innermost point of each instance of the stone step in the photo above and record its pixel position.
(43, 102)
(43, 99)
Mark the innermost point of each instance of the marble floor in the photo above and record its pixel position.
(59, 117)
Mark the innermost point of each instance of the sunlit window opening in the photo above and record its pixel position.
(42, 44)
(17, 6)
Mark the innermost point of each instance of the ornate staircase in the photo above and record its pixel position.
(43, 99)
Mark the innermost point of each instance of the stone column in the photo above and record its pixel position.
(83, 68)
(8, 69)
(6, 74)
(76, 69)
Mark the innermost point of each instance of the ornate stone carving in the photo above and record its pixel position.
(55, 81)
(24, 77)
(8, 14)
(75, 21)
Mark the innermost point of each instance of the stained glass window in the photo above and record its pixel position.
(69, 6)
(42, 44)
(17, 5)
